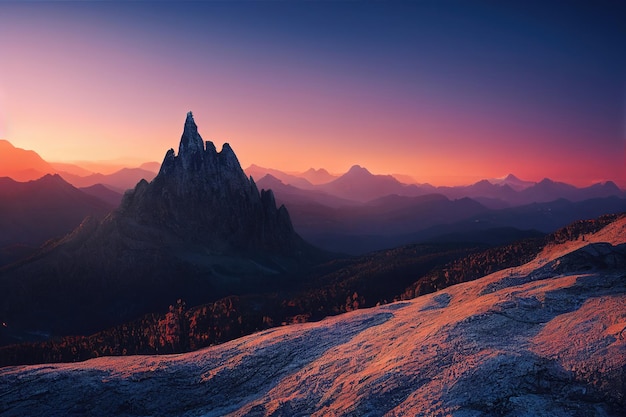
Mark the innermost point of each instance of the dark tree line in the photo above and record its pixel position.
(332, 288)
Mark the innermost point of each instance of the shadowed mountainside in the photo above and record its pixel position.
(199, 231)
(35, 211)
(543, 338)
(332, 288)
(393, 220)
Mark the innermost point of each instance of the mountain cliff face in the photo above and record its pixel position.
(204, 196)
(547, 338)
(199, 231)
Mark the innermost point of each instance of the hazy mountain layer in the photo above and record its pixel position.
(21, 164)
(395, 220)
(545, 338)
(122, 180)
(199, 231)
(360, 185)
(35, 211)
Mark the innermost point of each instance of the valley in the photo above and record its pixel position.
(502, 342)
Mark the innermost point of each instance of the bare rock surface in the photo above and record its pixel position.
(547, 338)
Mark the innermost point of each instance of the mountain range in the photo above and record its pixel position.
(200, 230)
(468, 300)
(545, 337)
(361, 186)
(27, 208)
(349, 226)
(359, 211)
(34, 212)
(357, 185)
(26, 165)
(20, 164)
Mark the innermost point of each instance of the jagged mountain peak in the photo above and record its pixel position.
(200, 222)
(204, 196)
(190, 141)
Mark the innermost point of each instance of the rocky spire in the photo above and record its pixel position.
(205, 197)
(190, 142)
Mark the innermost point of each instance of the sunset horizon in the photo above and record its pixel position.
(312, 208)
(109, 166)
(446, 94)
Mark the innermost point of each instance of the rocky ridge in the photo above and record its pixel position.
(547, 338)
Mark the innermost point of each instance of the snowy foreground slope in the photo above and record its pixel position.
(544, 339)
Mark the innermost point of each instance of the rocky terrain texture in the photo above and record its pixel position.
(547, 338)
(200, 230)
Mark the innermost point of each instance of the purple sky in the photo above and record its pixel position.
(447, 92)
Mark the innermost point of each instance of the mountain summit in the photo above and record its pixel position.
(199, 231)
(204, 196)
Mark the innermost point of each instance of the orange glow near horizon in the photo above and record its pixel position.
(448, 169)
(93, 82)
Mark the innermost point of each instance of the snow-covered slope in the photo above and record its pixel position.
(544, 339)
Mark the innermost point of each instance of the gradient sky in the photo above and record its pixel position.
(447, 92)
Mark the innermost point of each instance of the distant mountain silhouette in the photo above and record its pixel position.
(318, 176)
(548, 190)
(121, 180)
(73, 169)
(482, 189)
(20, 164)
(26, 165)
(111, 197)
(361, 185)
(199, 231)
(513, 182)
(394, 219)
(358, 228)
(151, 166)
(543, 217)
(404, 179)
(290, 195)
(257, 172)
(35, 211)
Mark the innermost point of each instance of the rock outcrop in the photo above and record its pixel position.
(204, 196)
(547, 338)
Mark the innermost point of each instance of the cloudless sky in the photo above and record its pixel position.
(448, 92)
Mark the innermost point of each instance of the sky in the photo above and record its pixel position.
(448, 92)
